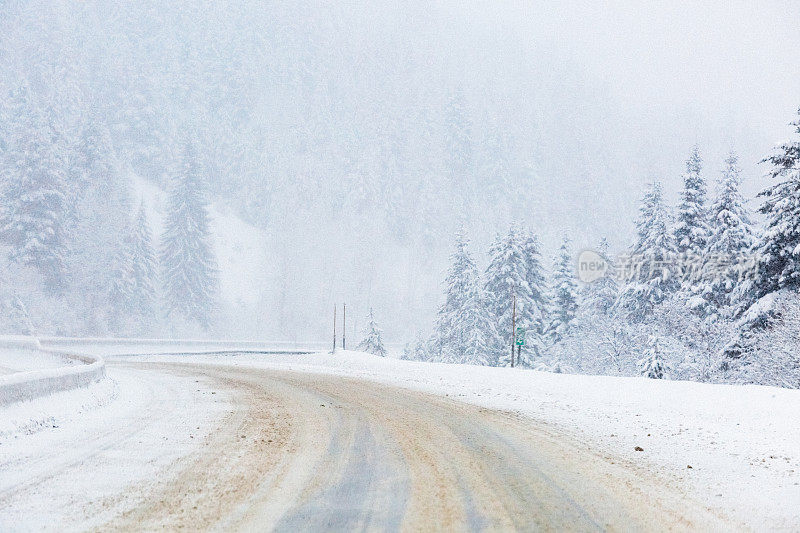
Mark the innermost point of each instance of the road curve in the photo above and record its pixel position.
(312, 452)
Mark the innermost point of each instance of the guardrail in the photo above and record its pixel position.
(28, 385)
(109, 346)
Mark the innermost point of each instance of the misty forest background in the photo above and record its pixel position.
(420, 163)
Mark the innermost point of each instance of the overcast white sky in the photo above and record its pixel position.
(718, 73)
(664, 75)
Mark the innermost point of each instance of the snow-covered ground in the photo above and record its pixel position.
(733, 447)
(103, 438)
(21, 360)
(736, 447)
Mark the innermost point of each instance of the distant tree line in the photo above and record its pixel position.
(77, 249)
(712, 296)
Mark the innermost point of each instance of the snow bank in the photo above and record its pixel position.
(74, 371)
(27, 417)
(735, 446)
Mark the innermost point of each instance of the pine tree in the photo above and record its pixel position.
(187, 258)
(778, 247)
(564, 293)
(464, 332)
(33, 215)
(691, 229)
(419, 350)
(601, 295)
(132, 292)
(730, 239)
(651, 279)
(458, 280)
(533, 314)
(652, 365)
(408, 353)
(506, 277)
(372, 343)
(120, 289)
(143, 272)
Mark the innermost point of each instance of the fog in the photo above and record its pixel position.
(359, 136)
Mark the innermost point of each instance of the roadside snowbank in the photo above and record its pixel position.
(737, 447)
(32, 372)
(49, 411)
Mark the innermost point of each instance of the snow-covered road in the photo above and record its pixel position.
(349, 441)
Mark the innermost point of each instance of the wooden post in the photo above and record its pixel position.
(344, 326)
(334, 327)
(513, 325)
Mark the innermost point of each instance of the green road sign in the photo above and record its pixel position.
(519, 340)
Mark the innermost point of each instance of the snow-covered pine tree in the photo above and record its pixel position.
(445, 337)
(464, 332)
(773, 353)
(479, 329)
(190, 276)
(143, 302)
(691, 227)
(730, 239)
(419, 350)
(653, 365)
(33, 196)
(408, 352)
(692, 232)
(651, 280)
(564, 298)
(132, 292)
(533, 314)
(601, 294)
(120, 288)
(506, 276)
(372, 342)
(778, 247)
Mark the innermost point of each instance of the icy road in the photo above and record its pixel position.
(264, 449)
